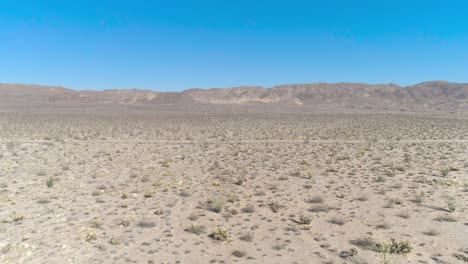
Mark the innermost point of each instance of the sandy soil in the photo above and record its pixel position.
(286, 188)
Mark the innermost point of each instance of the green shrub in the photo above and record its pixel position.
(452, 203)
(50, 182)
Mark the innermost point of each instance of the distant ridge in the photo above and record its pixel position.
(426, 95)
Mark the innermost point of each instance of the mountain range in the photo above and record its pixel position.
(427, 95)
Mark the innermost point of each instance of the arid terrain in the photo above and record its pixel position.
(359, 183)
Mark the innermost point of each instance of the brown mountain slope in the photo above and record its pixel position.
(437, 94)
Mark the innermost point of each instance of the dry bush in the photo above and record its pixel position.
(220, 233)
(216, 204)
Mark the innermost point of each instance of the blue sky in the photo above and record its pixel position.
(176, 45)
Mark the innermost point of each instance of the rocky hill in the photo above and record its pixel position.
(428, 95)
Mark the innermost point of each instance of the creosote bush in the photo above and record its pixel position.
(216, 204)
(452, 203)
(394, 247)
(220, 234)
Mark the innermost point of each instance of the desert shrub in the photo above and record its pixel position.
(304, 219)
(384, 255)
(463, 256)
(90, 236)
(241, 179)
(50, 182)
(452, 203)
(309, 173)
(385, 250)
(148, 194)
(158, 211)
(394, 247)
(347, 254)
(216, 204)
(232, 198)
(123, 222)
(220, 233)
(95, 223)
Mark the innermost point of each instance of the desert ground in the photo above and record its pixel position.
(123, 187)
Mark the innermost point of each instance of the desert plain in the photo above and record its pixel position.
(126, 185)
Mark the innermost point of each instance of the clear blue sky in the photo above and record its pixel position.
(175, 45)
